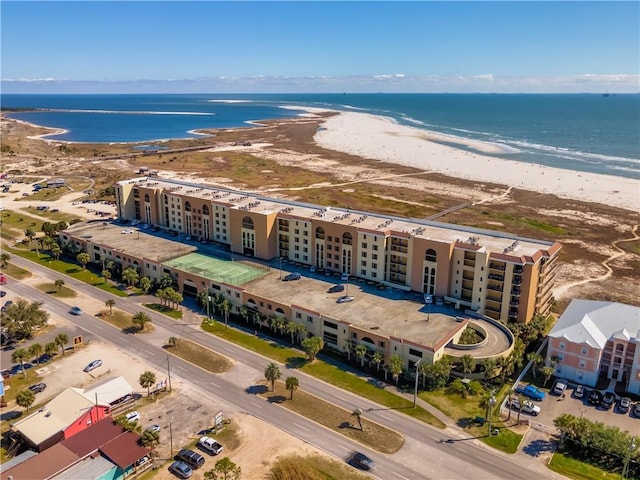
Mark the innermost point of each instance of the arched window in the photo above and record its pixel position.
(320, 233)
(430, 256)
(146, 197)
(347, 239)
(279, 312)
(205, 210)
(247, 222)
(187, 207)
(619, 347)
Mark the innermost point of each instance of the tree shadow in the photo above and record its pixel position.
(276, 399)
(539, 447)
(72, 270)
(131, 330)
(296, 362)
(348, 425)
(257, 389)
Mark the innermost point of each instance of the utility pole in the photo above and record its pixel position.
(169, 376)
(625, 469)
(171, 437)
(492, 402)
(415, 390)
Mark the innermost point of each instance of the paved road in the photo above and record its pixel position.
(422, 457)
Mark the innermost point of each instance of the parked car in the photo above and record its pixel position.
(210, 446)
(624, 404)
(312, 268)
(191, 458)
(527, 407)
(153, 428)
(344, 277)
(92, 366)
(578, 392)
(2, 293)
(595, 398)
(38, 387)
(291, 277)
(75, 311)
(530, 391)
(132, 417)
(345, 299)
(636, 410)
(336, 288)
(180, 469)
(560, 387)
(608, 400)
(6, 305)
(361, 461)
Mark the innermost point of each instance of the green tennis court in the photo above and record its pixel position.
(226, 271)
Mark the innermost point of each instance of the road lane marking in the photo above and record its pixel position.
(401, 476)
(256, 405)
(300, 426)
(343, 447)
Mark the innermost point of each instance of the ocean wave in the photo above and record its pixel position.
(229, 101)
(572, 154)
(126, 112)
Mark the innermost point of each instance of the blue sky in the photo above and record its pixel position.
(241, 47)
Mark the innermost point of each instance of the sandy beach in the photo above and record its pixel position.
(381, 138)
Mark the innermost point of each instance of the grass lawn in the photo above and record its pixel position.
(572, 468)
(123, 321)
(337, 419)
(168, 311)
(200, 356)
(51, 289)
(16, 272)
(313, 468)
(296, 359)
(71, 269)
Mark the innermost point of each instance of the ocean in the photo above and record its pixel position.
(581, 132)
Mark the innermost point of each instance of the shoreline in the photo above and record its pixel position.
(381, 138)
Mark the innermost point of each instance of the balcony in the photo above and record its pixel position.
(518, 269)
(497, 266)
(515, 291)
(467, 275)
(490, 308)
(495, 288)
(493, 276)
(495, 300)
(469, 263)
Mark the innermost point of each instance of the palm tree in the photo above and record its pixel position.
(225, 306)
(25, 398)
(59, 283)
(312, 347)
(244, 313)
(378, 358)
(547, 371)
(56, 251)
(83, 258)
(110, 303)
(61, 340)
(20, 355)
(106, 274)
(35, 351)
(272, 373)
(145, 284)
(149, 438)
(300, 331)
(291, 328)
(292, 384)
(358, 414)
(147, 379)
(173, 341)
(23, 317)
(140, 319)
(510, 394)
(50, 348)
(396, 365)
(536, 359)
(361, 353)
(29, 233)
(130, 276)
(468, 364)
(4, 259)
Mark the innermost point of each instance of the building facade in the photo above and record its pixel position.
(495, 274)
(595, 339)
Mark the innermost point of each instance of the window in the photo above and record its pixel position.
(560, 357)
(298, 315)
(374, 256)
(364, 255)
(584, 350)
(364, 245)
(375, 247)
(582, 363)
(363, 272)
(374, 265)
(330, 325)
(415, 353)
(363, 263)
(381, 344)
(562, 345)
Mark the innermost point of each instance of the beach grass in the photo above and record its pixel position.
(200, 356)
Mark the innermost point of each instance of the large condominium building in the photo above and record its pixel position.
(595, 339)
(496, 274)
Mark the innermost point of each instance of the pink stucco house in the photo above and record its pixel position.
(594, 338)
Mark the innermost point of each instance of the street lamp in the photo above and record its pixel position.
(492, 403)
(632, 447)
(415, 390)
(280, 277)
(428, 299)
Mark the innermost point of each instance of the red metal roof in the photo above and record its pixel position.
(45, 465)
(124, 450)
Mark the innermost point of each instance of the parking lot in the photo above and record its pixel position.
(554, 405)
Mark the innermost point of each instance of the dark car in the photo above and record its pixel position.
(291, 277)
(38, 387)
(624, 404)
(336, 289)
(361, 461)
(595, 397)
(193, 459)
(578, 392)
(636, 410)
(180, 469)
(608, 400)
(6, 305)
(2, 293)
